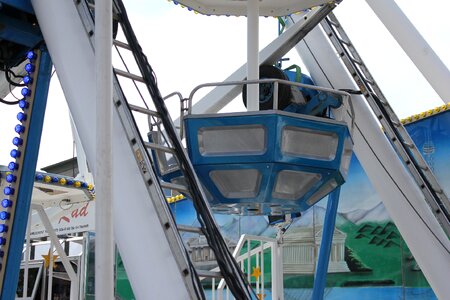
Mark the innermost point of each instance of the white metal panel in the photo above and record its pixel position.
(239, 7)
(400, 194)
(152, 270)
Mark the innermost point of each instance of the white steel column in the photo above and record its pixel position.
(54, 241)
(252, 54)
(27, 257)
(83, 170)
(50, 271)
(104, 242)
(414, 45)
(277, 271)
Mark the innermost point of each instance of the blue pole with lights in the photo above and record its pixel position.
(320, 278)
(16, 205)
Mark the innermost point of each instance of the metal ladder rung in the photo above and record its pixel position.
(121, 45)
(174, 187)
(409, 145)
(143, 110)
(154, 146)
(424, 167)
(192, 229)
(358, 62)
(396, 123)
(345, 42)
(371, 82)
(335, 24)
(208, 274)
(129, 75)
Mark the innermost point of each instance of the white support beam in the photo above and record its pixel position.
(136, 223)
(415, 46)
(252, 54)
(104, 240)
(395, 186)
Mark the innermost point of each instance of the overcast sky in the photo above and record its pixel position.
(186, 49)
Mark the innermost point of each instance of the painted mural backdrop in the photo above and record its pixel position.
(369, 259)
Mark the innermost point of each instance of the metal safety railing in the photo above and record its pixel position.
(276, 83)
(253, 253)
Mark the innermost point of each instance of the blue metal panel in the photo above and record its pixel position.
(269, 162)
(264, 197)
(19, 32)
(24, 5)
(193, 125)
(273, 124)
(27, 179)
(320, 277)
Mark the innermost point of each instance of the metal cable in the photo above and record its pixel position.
(227, 264)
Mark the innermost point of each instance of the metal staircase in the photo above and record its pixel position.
(158, 116)
(393, 128)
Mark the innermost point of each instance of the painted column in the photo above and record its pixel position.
(320, 277)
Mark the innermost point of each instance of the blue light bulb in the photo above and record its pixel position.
(3, 228)
(19, 128)
(13, 166)
(8, 191)
(55, 179)
(31, 55)
(2, 253)
(21, 116)
(23, 104)
(2, 241)
(69, 182)
(6, 203)
(15, 153)
(39, 177)
(30, 68)
(27, 79)
(17, 141)
(84, 185)
(26, 92)
(11, 178)
(4, 215)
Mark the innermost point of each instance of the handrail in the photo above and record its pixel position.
(182, 109)
(276, 83)
(266, 243)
